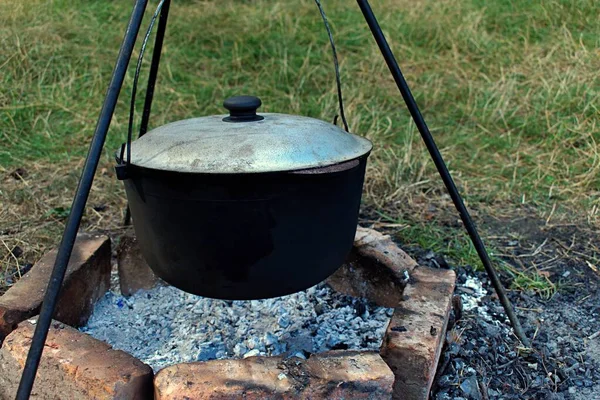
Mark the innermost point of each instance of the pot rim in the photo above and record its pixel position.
(326, 169)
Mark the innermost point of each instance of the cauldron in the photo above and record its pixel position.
(245, 206)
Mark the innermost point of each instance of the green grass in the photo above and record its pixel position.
(510, 90)
(453, 243)
(532, 281)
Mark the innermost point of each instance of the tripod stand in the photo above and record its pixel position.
(98, 140)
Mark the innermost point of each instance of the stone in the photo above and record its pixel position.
(240, 349)
(134, 272)
(414, 337)
(333, 375)
(252, 353)
(73, 365)
(470, 388)
(86, 280)
(376, 269)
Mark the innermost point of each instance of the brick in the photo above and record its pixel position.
(86, 280)
(414, 338)
(134, 272)
(74, 366)
(334, 375)
(375, 269)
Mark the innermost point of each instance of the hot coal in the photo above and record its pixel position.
(165, 325)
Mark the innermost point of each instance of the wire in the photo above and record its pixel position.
(135, 81)
(336, 64)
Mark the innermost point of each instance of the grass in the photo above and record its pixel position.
(533, 281)
(510, 90)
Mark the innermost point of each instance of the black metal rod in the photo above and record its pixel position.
(156, 53)
(79, 201)
(441, 166)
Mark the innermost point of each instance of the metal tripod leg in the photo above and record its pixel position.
(441, 166)
(79, 201)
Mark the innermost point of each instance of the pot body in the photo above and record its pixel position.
(246, 236)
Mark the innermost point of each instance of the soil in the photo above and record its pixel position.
(483, 359)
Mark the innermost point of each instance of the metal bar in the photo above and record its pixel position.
(79, 201)
(156, 53)
(441, 166)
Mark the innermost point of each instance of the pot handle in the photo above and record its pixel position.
(122, 161)
(336, 66)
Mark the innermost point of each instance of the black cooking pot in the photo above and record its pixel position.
(245, 206)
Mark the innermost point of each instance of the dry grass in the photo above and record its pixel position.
(35, 207)
(509, 89)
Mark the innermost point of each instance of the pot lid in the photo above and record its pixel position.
(244, 142)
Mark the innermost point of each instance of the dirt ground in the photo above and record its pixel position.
(560, 311)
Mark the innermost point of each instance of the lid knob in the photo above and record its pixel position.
(242, 109)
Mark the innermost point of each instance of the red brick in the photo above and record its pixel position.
(87, 279)
(414, 337)
(73, 366)
(372, 244)
(334, 375)
(375, 269)
(134, 272)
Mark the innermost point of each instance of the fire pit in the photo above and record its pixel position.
(367, 332)
(166, 326)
